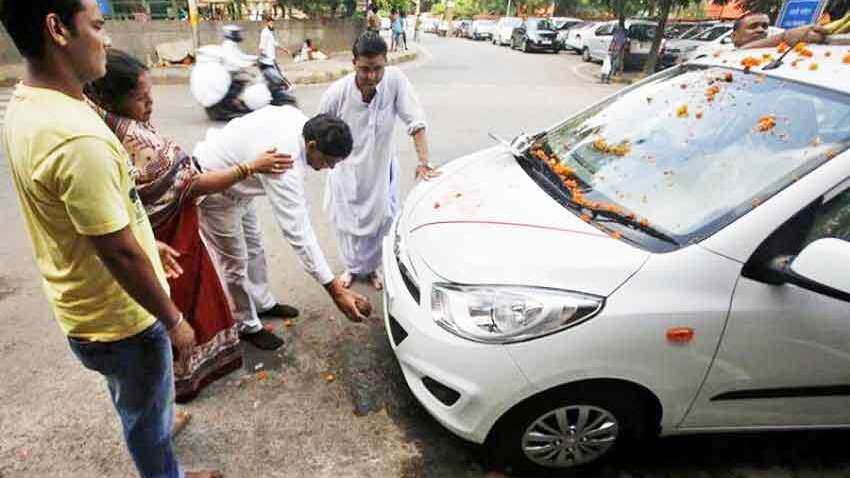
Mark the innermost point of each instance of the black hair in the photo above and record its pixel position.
(24, 21)
(740, 21)
(309, 42)
(122, 77)
(369, 44)
(374, 8)
(331, 134)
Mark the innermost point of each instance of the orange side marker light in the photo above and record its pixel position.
(680, 335)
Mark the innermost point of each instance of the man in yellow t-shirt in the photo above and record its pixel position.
(92, 240)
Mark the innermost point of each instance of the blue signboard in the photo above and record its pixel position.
(797, 13)
(105, 6)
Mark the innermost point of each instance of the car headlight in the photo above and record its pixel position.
(507, 314)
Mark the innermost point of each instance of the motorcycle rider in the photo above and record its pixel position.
(238, 64)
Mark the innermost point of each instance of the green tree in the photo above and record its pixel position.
(664, 7)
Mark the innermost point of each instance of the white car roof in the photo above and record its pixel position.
(825, 68)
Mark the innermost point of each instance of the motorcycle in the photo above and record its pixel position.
(225, 83)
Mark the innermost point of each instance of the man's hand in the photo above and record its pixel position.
(183, 340)
(426, 172)
(355, 307)
(168, 255)
(807, 34)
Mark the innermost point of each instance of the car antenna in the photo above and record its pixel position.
(778, 62)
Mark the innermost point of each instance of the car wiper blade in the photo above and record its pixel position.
(608, 216)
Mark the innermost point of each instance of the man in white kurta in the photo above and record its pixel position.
(362, 194)
(229, 222)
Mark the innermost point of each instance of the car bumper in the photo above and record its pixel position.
(484, 377)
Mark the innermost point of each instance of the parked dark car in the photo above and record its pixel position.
(535, 34)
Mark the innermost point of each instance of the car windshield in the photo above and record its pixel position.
(713, 34)
(540, 25)
(679, 158)
(695, 31)
(642, 31)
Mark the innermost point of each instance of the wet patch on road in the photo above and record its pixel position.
(6, 289)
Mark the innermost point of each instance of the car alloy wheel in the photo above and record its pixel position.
(570, 436)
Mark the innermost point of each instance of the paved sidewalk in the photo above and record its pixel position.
(307, 73)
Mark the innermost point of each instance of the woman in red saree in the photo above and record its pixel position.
(170, 184)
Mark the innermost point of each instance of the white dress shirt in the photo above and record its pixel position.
(241, 141)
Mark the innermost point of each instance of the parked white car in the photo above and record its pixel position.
(659, 263)
(576, 35)
(716, 38)
(504, 30)
(482, 29)
(640, 34)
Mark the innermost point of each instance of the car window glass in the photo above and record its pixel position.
(713, 142)
(642, 32)
(832, 220)
(713, 34)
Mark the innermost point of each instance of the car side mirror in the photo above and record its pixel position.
(726, 41)
(821, 268)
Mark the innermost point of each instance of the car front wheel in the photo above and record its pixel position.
(568, 429)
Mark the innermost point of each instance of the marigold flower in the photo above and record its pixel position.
(750, 62)
(682, 111)
(766, 123)
(783, 47)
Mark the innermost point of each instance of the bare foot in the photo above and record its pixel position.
(204, 474)
(346, 279)
(377, 280)
(181, 419)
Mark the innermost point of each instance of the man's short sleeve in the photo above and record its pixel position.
(88, 180)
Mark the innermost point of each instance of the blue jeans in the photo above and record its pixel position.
(139, 374)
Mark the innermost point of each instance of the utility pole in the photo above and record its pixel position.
(193, 21)
(508, 11)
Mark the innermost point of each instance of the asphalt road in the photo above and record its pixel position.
(56, 419)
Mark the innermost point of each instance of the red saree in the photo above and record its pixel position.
(199, 295)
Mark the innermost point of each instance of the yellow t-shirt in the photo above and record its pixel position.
(74, 179)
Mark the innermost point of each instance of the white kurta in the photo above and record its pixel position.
(362, 192)
(241, 141)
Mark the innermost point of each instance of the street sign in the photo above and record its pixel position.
(797, 13)
(105, 7)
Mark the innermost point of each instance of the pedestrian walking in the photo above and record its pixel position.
(169, 184)
(269, 45)
(373, 21)
(395, 30)
(92, 240)
(362, 193)
(229, 221)
(403, 18)
(617, 50)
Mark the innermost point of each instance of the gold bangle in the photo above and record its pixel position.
(249, 171)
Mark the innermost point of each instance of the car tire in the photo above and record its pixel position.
(615, 418)
(585, 54)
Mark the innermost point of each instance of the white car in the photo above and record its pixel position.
(669, 261)
(639, 32)
(482, 29)
(576, 35)
(716, 38)
(504, 30)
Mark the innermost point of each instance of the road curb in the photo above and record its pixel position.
(180, 75)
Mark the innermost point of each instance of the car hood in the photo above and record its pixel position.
(486, 222)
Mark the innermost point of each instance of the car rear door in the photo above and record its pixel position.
(600, 41)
